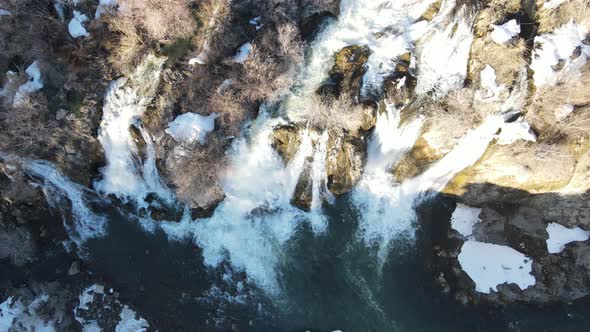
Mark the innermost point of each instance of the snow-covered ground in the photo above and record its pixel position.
(34, 84)
(504, 33)
(92, 299)
(464, 218)
(490, 265)
(560, 236)
(554, 56)
(243, 53)
(15, 316)
(191, 127)
(76, 27)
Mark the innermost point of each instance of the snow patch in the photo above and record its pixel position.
(242, 53)
(558, 56)
(563, 111)
(15, 316)
(200, 59)
(515, 131)
(129, 322)
(256, 22)
(191, 127)
(487, 80)
(490, 265)
(103, 7)
(504, 33)
(4, 12)
(464, 218)
(75, 26)
(34, 84)
(560, 235)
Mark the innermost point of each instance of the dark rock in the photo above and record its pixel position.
(74, 268)
(303, 193)
(576, 53)
(206, 210)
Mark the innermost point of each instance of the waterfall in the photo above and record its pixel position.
(56, 186)
(387, 209)
(385, 213)
(251, 225)
(125, 101)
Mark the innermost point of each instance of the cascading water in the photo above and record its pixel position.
(251, 226)
(85, 223)
(256, 217)
(125, 101)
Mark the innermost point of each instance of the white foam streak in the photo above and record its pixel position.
(86, 224)
(387, 208)
(385, 212)
(382, 25)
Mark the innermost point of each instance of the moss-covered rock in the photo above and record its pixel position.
(346, 76)
(344, 162)
(286, 141)
(303, 194)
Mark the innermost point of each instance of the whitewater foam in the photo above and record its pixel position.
(56, 186)
(125, 101)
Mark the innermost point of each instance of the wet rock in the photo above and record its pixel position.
(61, 114)
(286, 141)
(420, 157)
(303, 194)
(559, 65)
(432, 10)
(344, 162)
(346, 76)
(522, 225)
(205, 206)
(74, 268)
(576, 53)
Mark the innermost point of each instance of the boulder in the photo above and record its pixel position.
(344, 162)
(286, 141)
(303, 194)
(346, 76)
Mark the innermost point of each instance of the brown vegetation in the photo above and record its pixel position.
(548, 100)
(139, 23)
(505, 59)
(551, 19)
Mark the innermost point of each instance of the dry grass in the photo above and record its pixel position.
(547, 100)
(550, 19)
(24, 129)
(162, 20)
(505, 59)
(494, 11)
(126, 47)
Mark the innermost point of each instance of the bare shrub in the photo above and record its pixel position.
(139, 23)
(550, 19)
(197, 170)
(23, 129)
(340, 114)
